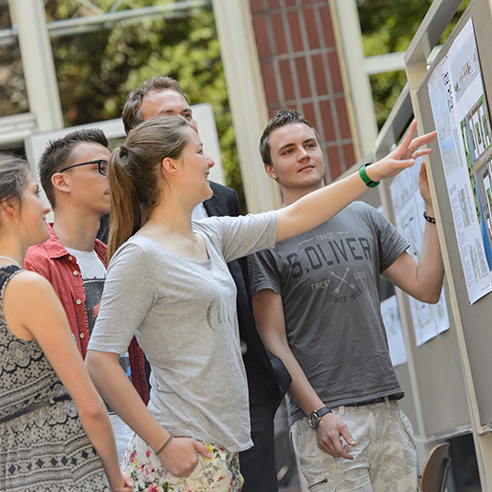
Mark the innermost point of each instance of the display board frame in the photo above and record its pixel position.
(473, 316)
(472, 331)
(434, 370)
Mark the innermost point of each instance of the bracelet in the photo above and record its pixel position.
(366, 178)
(166, 444)
(432, 220)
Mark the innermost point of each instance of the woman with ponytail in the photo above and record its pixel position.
(54, 427)
(168, 284)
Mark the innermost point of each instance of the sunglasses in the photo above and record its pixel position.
(102, 166)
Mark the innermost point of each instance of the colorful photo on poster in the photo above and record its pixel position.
(477, 143)
(477, 146)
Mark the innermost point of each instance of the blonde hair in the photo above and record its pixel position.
(135, 174)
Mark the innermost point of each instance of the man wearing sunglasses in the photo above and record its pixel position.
(73, 173)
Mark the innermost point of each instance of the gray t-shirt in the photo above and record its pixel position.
(183, 313)
(329, 282)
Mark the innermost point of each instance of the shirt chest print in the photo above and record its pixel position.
(323, 253)
(218, 313)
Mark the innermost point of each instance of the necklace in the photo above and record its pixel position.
(10, 259)
(175, 230)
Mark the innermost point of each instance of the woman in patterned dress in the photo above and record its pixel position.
(55, 433)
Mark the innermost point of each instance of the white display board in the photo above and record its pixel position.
(459, 108)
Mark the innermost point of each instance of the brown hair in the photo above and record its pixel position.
(135, 174)
(132, 114)
(282, 117)
(14, 175)
(59, 154)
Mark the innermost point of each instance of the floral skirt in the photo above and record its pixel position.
(218, 474)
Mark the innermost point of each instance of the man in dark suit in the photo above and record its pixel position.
(268, 379)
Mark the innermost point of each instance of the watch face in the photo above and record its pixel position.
(313, 420)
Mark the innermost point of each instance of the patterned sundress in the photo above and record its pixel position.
(44, 449)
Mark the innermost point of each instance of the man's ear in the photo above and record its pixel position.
(269, 170)
(61, 183)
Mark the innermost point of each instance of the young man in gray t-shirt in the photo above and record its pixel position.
(316, 304)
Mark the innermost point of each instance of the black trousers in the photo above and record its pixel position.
(257, 464)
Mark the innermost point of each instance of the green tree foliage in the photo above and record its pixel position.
(96, 70)
(389, 26)
(13, 94)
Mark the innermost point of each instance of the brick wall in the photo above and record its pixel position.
(300, 68)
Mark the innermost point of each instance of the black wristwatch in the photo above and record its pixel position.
(315, 417)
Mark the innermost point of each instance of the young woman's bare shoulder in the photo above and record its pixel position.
(27, 281)
(29, 300)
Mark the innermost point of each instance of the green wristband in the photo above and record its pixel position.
(166, 444)
(366, 178)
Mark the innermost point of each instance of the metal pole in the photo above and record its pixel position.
(247, 99)
(37, 61)
(357, 86)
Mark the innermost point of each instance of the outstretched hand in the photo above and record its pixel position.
(330, 431)
(402, 157)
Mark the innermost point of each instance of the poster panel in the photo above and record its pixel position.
(459, 108)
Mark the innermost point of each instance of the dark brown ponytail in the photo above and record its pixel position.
(135, 176)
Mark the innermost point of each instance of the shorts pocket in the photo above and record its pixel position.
(304, 440)
(197, 471)
(407, 426)
(219, 474)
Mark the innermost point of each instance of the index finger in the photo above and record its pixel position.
(337, 450)
(345, 454)
(407, 141)
(423, 139)
(334, 447)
